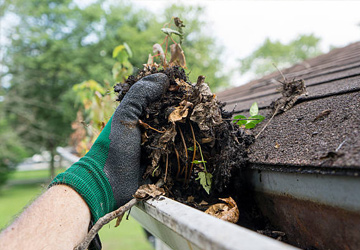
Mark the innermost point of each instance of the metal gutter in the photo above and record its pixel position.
(331, 190)
(181, 227)
(320, 211)
(67, 155)
(316, 211)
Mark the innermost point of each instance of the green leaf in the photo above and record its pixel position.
(259, 117)
(190, 149)
(252, 123)
(254, 109)
(117, 50)
(243, 121)
(128, 50)
(198, 162)
(205, 180)
(169, 31)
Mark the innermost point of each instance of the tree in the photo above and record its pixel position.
(56, 44)
(262, 59)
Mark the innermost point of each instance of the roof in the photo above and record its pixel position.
(321, 133)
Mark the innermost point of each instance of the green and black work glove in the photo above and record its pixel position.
(109, 174)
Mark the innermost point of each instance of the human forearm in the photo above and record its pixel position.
(58, 219)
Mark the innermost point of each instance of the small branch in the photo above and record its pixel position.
(192, 162)
(103, 221)
(147, 126)
(186, 152)
(109, 217)
(247, 119)
(167, 166)
(178, 161)
(275, 113)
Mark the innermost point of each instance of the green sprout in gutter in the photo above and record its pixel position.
(205, 177)
(249, 122)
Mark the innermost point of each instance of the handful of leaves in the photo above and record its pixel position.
(188, 140)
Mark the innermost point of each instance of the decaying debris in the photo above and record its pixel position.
(290, 91)
(278, 235)
(227, 211)
(148, 191)
(184, 130)
(322, 115)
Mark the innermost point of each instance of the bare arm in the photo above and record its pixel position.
(58, 219)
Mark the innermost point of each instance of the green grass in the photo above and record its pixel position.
(35, 174)
(13, 198)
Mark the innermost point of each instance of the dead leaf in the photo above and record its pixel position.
(203, 203)
(177, 55)
(118, 221)
(277, 145)
(206, 115)
(206, 140)
(169, 135)
(322, 115)
(190, 199)
(158, 50)
(182, 84)
(150, 60)
(178, 114)
(291, 91)
(147, 191)
(225, 211)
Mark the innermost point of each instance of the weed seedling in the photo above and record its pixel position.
(205, 177)
(249, 122)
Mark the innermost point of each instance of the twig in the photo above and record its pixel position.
(107, 218)
(167, 166)
(178, 161)
(275, 113)
(338, 148)
(247, 119)
(147, 126)
(192, 162)
(186, 152)
(280, 73)
(103, 221)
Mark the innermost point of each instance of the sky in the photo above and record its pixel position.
(242, 26)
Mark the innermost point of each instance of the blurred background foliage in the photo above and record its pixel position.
(55, 44)
(262, 60)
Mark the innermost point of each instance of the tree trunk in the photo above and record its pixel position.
(52, 163)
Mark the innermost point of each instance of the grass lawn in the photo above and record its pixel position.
(128, 236)
(36, 174)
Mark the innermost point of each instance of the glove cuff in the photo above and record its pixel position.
(91, 183)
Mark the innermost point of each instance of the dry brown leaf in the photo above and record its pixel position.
(225, 211)
(203, 203)
(177, 55)
(178, 114)
(118, 221)
(158, 50)
(180, 111)
(148, 190)
(190, 199)
(206, 115)
(184, 85)
(150, 60)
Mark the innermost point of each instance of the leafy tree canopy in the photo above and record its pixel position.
(261, 61)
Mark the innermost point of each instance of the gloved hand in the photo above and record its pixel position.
(108, 175)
